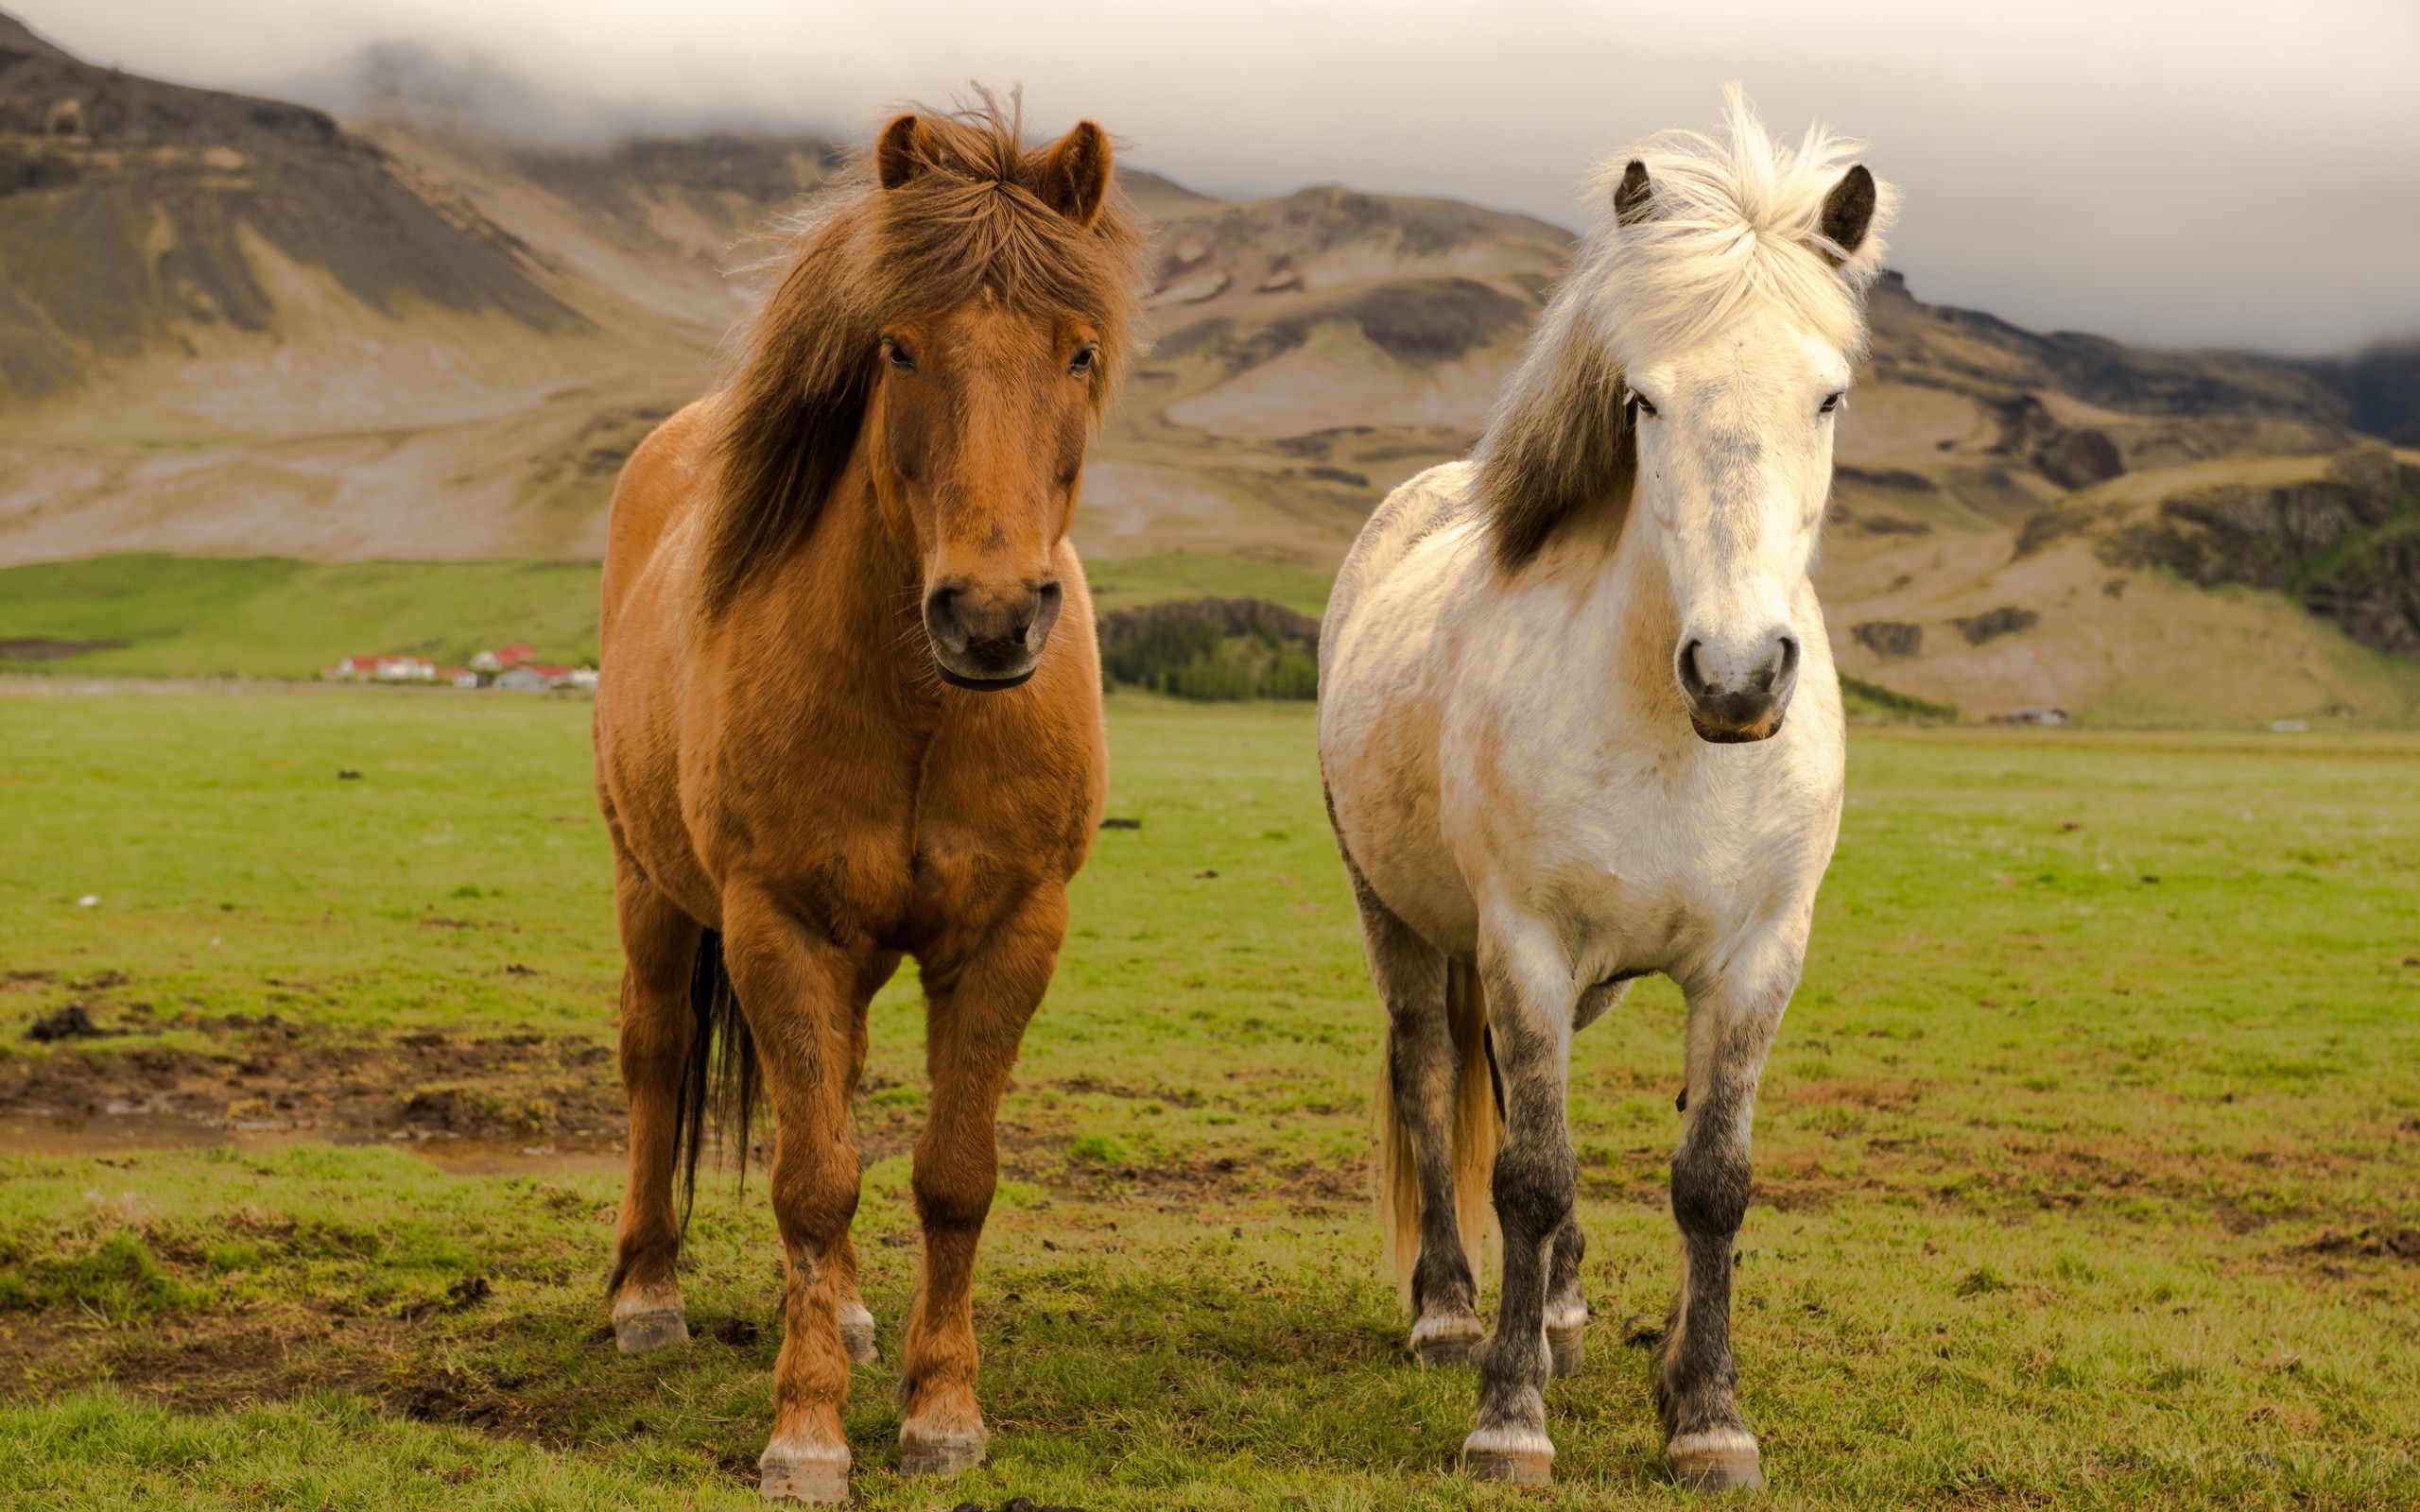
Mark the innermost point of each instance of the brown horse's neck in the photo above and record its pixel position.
(853, 608)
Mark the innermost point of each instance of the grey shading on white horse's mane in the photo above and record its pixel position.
(1733, 228)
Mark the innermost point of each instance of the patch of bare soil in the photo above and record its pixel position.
(268, 1074)
(2404, 1244)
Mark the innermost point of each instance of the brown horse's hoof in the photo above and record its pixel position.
(942, 1458)
(1509, 1455)
(1717, 1460)
(1569, 1347)
(642, 1331)
(856, 1335)
(1448, 1341)
(815, 1482)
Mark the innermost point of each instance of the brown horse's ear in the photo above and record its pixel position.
(1634, 197)
(1848, 209)
(1075, 179)
(903, 150)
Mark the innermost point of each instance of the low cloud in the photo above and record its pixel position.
(2213, 173)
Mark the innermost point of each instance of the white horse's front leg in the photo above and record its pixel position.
(1530, 998)
(1734, 1011)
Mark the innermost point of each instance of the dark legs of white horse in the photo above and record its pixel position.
(1707, 1442)
(1535, 1186)
(1424, 1077)
(1567, 1309)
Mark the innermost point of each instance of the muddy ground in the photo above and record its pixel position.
(267, 1074)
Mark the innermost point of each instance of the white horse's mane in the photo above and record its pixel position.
(1733, 230)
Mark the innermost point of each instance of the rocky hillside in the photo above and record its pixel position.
(234, 327)
(144, 217)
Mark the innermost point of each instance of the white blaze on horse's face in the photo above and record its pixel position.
(1735, 463)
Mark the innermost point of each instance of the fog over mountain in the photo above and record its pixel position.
(2218, 173)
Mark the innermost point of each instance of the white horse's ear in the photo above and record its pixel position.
(1635, 197)
(1848, 210)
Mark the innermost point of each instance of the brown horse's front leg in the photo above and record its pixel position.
(979, 1008)
(857, 1319)
(797, 986)
(659, 948)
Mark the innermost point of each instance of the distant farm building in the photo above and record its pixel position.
(511, 667)
(502, 657)
(398, 668)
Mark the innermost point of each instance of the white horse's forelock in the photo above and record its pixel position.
(1735, 225)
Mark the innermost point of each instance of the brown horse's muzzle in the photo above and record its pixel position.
(988, 639)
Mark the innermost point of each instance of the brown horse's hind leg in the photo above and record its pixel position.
(798, 987)
(659, 948)
(976, 1013)
(857, 1319)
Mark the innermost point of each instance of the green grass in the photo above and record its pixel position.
(2063, 1172)
(277, 617)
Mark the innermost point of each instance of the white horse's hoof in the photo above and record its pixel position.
(815, 1482)
(1717, 1460)
(1447, 1340)
(1509, 1455)
(1569, 1347)
(857, 1334)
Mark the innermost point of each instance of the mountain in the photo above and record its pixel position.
(234, 327)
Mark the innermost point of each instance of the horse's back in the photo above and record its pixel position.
(1418, 508)
(661, 483)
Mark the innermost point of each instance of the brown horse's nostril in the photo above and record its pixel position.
(1047, 600)
(941, 619)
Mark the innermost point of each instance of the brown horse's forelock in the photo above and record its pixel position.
(975, 220)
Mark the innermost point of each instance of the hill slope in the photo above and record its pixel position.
(232, 327)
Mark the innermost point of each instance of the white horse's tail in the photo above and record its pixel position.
(1477, 1128)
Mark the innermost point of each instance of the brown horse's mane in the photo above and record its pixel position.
(979, 218)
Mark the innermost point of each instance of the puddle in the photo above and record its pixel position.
(127, 1133)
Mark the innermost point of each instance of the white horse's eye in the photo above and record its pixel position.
(1639, 405)
(1832, 402)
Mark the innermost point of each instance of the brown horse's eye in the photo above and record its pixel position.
(901, 359)
(1082, 362)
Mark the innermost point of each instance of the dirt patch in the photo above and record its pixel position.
(1189, 1186)
(2403, 1243)
(42, 648)
(266, 1074)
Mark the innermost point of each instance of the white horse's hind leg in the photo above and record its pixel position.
(1567, 1310)
(1424, 1078)
(1707, 1442)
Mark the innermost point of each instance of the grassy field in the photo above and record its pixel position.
(276, 617)
(2085, 1163)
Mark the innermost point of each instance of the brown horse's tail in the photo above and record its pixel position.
(1477, 1127)
(721, 1079)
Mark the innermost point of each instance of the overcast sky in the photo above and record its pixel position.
(2204, 173)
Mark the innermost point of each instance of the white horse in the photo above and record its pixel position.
(1578, 722)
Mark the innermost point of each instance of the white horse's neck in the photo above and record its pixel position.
(1602, 578)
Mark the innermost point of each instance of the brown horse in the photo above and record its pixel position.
(835, 729)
